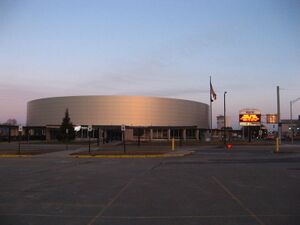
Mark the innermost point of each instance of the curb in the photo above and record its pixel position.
(15, 156)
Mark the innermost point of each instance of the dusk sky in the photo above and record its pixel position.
(165, 48)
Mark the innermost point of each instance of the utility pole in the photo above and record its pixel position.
(291, 121)
(225, 92)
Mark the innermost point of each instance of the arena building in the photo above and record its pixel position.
(146, 118)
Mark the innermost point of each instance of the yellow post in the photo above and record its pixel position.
(277, 145)
(173, 144)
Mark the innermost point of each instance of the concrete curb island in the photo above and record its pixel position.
(108, 156)
(167, 155)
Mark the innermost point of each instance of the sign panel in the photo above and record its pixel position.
(77, 128)
(249, 124)
(272, 118)
(123, 127)
(90, 128)
(250, 117)
(20, 128)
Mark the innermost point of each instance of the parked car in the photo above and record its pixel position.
(270, 137)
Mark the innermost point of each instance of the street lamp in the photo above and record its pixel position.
(291, 117)
(225, 92)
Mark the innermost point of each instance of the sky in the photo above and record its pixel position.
(165, 48)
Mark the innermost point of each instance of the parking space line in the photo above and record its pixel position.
(100, 213)
(193, 216)
(148, 217)
(234, 197)
(43, 215)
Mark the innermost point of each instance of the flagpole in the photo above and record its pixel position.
(210, 102)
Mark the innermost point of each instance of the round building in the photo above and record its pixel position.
(145, 117)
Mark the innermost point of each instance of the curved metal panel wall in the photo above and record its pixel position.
(117, 110)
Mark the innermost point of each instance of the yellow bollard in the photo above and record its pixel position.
(277, 145)
(173, 144)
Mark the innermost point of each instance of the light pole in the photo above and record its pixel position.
(291, 117)
(278, 138)
(225, 92)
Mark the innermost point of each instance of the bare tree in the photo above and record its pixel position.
(12, 122)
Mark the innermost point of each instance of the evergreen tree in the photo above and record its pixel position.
(66, 128)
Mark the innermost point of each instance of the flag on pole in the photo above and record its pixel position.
(213, 95)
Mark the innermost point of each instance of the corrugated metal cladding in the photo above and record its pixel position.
(117, 110)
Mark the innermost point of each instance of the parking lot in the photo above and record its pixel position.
(246, 185)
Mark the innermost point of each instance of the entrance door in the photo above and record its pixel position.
(113, 135)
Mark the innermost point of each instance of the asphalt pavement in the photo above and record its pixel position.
(244, 185)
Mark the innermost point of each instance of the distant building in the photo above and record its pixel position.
(220, 122)
(148, 118)
(289, 125)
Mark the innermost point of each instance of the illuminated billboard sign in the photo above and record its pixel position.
(250, 117)
(272, 118)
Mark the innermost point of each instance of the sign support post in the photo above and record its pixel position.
(123, 128)
(67, 139)
(20, 129)
(19, 144)
(89, 134)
